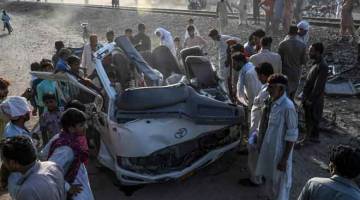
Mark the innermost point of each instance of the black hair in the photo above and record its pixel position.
(190, 28)
(73, 59)
(35, 66)
(49, 96)
(176, 39)
(259, 33)
(44, 60)
(128, 30)
(237, 48)
(213, 32)
(141, 27)
(266, 41)
(59, 45)
(191, 20)
(74, 103)
(265, 69)
(71, 117)
(4, 84)
(346, 160)
(278, 79)
(319, 47)
(19, 149)
(293, 30)
(239, 57)
(64, 52)
(110, 33)
(45, 64)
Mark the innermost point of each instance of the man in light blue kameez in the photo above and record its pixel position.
(275, 158)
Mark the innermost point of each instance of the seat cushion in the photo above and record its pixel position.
(202, 70)
(164, 61)
(152, 97)
(192, 51)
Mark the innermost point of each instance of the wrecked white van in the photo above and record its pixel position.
(157, 133)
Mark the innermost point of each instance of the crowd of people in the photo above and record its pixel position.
(52, 164)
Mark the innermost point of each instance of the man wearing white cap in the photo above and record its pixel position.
(303, 31)
(18, 111)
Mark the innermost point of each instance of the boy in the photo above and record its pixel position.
(70, 148)
(50, 120)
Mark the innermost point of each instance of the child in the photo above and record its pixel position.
(50, 119)
(69, 149)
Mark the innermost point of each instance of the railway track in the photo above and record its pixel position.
(317, 21)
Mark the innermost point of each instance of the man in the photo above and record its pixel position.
(303, 32)
(275, 158)
(191, 23)
(58, 46)
(74, 64)
(88, 60)
(263, 71)
(6, 20)
(38, 180)
(110, 36)
(129, 34)
(313, 93)
(61, 64)
(18, 111)
(250, 46)
(220, 40)
(241, 6)
(258, 35)
(253, 46)
(222, 14)
(344, 168)
(142, 41)
(248, 85)
(4, 91)
(293, 56)
(194, 40)
(266, 56)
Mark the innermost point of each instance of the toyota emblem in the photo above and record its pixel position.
(181, 133)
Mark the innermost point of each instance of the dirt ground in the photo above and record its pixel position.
(38, 26)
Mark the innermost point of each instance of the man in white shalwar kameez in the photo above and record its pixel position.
(248, 85)
(263, 72)
(196, 31)
(166, 39)
(275, 158)
(221, 69)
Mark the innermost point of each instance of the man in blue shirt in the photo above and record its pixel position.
(62, 65)
(344, 168)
